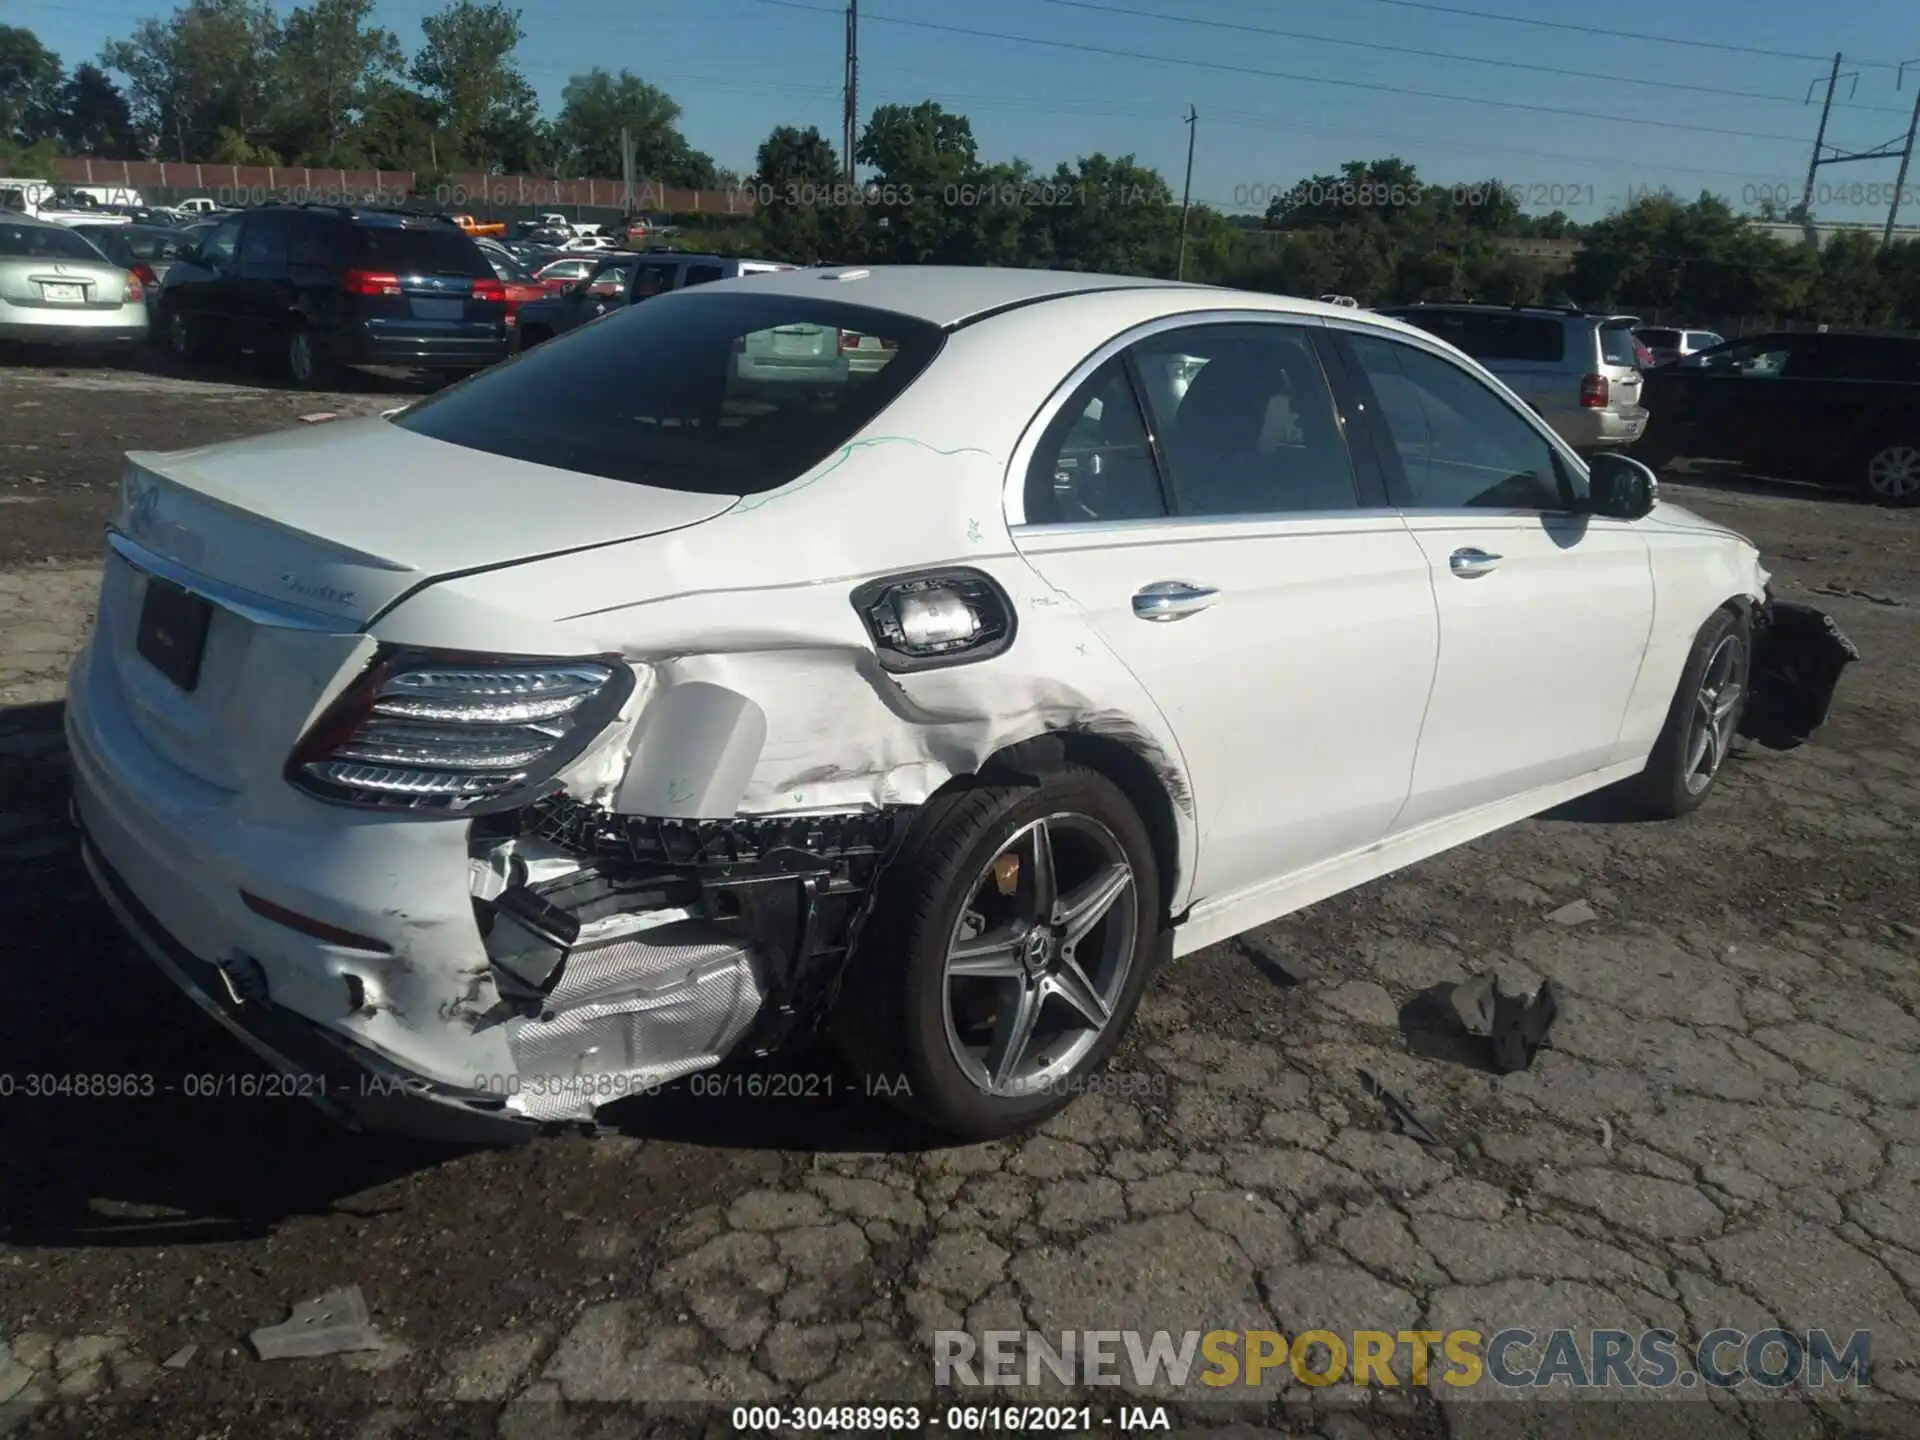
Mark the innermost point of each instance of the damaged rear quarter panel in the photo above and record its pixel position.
(760, 690)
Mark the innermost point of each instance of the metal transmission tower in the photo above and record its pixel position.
(850, 121)
(1906, 155)
(1899, 149)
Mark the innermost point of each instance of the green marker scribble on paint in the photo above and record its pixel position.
(846, 453)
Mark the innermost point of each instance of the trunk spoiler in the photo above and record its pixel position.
(1798, 656)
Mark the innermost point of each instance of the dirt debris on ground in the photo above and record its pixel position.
(1725, 1130)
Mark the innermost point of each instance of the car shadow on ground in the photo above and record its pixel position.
(111, 1080)
(1731, 480)
(116, 1092)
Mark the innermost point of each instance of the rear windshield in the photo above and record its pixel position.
(1616, 345)
(110, 243)
(696, 390)
(426, 251)
(55, 242)
(1664, 339)
(1492, 336)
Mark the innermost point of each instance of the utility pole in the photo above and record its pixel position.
(1820, 135)
(626, 171)
(1906, 157)
(1186, 194)
(850, 121)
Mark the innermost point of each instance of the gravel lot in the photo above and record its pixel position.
(1725, 1132)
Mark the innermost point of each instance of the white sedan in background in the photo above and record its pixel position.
(596, 722)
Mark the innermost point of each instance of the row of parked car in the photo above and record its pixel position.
(1830, 408)
(315, 288)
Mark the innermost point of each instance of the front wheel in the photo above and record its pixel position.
(1702, 722)
(1008, 949)
(1890, 471)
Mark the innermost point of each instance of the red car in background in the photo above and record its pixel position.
(521, 286)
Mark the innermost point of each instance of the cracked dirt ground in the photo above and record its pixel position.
(1726, 1131)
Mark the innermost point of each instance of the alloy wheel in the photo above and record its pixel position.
(300, 356)
(1716, 711)
(1040, 955)
(1894, 473)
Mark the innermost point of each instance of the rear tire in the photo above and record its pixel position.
(183, 335)
(307, 365)
(960, 1006)
(1889, 470)
(1701, 723)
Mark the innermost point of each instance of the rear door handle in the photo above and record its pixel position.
(1172, 599)
(1470, 564)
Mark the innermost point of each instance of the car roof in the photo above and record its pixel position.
(948, 295)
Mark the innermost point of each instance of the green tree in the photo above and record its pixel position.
(330, 61)
(793, 170)
(924, 161)
(204, 70)
(94, 118)
(1119, 217)
(397, 128)
(467, 65)
(596, 105)
(30, 77)
(1853, 288)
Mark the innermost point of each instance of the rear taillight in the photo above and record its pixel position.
(135, 290)
(459, 733)
(370, 282)
(143, 272)
(1593, 392)
(849, 340)
(489, 290)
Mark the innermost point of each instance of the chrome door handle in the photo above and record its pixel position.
(1470, 564)
(1172, 600)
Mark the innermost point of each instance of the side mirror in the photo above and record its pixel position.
(1620, 487)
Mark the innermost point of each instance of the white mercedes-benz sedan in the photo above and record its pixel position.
(638, 705)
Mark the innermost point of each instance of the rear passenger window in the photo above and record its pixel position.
(1095, 461)
(1459, 444)
(1246, 422)
(313, 241)
(652, 280)
(263, 240)
(703, 274)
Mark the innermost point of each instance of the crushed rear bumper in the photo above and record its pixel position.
(1799, 654)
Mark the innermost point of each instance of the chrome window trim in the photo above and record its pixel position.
(1013, 501)
(245, 603)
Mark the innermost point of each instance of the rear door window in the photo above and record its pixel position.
(670, 394)
(703, 274)
(263, 240)
(435, 250)
(1494, 336)
(1616, 345)
(315, 241)
(650, 280)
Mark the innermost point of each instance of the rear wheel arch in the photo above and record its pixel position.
(1144, 785)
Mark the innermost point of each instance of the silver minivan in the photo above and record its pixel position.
(1577, 370)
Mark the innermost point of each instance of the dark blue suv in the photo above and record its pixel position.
(316, 287)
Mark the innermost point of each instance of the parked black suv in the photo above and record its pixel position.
(317, 287)
(1834, 408)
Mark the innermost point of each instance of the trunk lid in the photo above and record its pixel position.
(344, 518)
(258, 562)
(57, 284)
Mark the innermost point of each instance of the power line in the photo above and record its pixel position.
(1588, 75)
(1613, 32)
(1225, 68)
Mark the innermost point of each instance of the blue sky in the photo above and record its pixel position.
(740, 67)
